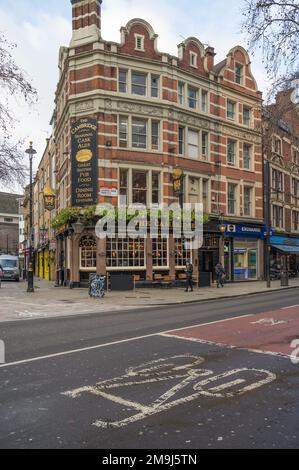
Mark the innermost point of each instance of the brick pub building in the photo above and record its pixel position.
(156, 113)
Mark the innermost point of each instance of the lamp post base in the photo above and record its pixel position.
(30, 285)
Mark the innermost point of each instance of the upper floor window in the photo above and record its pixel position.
(155, 135)
(246, 116)
(231, 152)
(231, 198)
(181, 92)
(154, 86)
(181, 140)
(193, 144)
(231, 109)
(139, 179)
(205, 195)
(139, 42)
(139, 133)
(192, 97)
(204, 101)
(277, 180)
(247, 200)
(123, 184)
(193, 59)
(122, 81)
(277, 145)
(277, 216)
(204, 145)
(139, 83)
(123, 131)
(295, 156)
(295, 190)
(239, 74)
(155, 187)
(247, 156)
(295, 218)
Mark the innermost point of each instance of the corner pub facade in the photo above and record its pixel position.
(146, 115)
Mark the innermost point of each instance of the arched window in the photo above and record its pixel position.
(88, 253)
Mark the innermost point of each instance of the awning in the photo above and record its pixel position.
(287, 248)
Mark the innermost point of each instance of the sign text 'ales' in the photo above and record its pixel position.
(84, 162)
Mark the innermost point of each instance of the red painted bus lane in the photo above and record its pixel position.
(271, 331)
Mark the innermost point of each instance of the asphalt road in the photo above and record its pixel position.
(116, 381)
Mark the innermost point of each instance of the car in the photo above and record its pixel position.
(10, 266)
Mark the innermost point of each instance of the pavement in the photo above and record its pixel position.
(48, 301)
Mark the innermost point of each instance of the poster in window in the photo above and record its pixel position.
(84, 162)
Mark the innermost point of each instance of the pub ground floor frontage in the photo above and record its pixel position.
(160, 261)
(284, 254)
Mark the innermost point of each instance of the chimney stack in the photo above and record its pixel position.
(86, 21)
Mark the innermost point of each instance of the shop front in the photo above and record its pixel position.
(243, 252)
(284, 254)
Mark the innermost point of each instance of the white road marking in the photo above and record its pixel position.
(167, 369)
(268, 321)
(292, 306)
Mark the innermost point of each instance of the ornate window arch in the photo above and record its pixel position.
(88, 253)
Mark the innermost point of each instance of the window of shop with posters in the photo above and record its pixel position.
(245, 259)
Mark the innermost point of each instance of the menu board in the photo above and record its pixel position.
(84, 162)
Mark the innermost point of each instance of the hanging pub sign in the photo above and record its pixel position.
(177, 177)
(84, 162)
(49, 199)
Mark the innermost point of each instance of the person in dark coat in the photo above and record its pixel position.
(189, 274)
(220, 273)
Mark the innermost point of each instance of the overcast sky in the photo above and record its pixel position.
(39, 28)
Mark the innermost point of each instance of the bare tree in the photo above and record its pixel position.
(273, 26)
(13, 83)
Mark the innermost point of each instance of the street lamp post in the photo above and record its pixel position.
(30, 286)
(267, 211)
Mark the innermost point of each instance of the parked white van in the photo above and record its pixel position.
(10, 266)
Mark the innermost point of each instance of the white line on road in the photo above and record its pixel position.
(113, 343)
(291, 306)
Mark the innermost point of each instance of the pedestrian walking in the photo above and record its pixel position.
(220, 275)
(189, 274)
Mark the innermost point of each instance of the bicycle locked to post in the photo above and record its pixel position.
(97, 285)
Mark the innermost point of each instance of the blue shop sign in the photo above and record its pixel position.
(282, 240)
(245, 231)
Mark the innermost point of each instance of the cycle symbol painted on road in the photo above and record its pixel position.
(190, 382)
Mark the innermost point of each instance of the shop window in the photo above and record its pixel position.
(192, 97)
(245, 260)
(125, 253)
(139, 83)
(122, 81)
(139, 133)
(160, 252)
(183, 253)
(88, 253)
(139, 187)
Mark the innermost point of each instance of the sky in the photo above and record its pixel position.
(39, 28)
